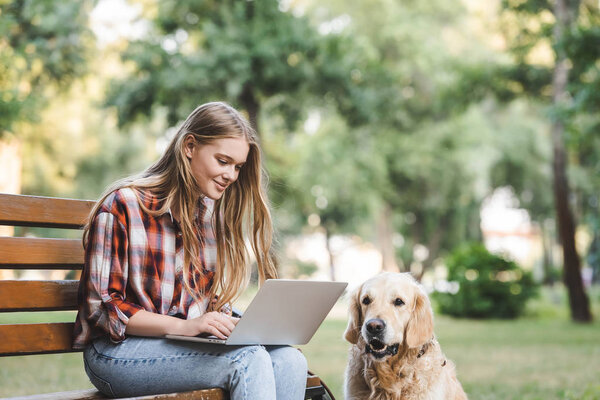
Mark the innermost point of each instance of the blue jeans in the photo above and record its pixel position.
(140, 366)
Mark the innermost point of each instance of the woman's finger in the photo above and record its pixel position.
(223, 329)
(214, 331)
(227, 322)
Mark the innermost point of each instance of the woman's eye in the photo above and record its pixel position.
(222, 162)
(238, 167)
(398, 302)
(366, 300)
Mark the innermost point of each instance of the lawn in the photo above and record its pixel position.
(523, 359)
(545, 357)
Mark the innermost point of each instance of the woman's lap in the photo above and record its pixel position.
(139, 366)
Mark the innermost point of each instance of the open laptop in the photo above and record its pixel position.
(286, 312)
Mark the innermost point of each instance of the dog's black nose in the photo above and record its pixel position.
(375, 325)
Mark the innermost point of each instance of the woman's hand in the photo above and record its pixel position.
(145, 323)
(214, 323)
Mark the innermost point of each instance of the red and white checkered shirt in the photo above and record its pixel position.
(134, 261)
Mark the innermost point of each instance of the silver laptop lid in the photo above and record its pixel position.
(286, 312)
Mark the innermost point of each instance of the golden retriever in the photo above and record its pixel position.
(394, 354)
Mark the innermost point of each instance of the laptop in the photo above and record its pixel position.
(283, 312)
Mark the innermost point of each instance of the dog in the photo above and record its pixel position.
(394, 354)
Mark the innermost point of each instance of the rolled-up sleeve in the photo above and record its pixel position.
(107, 274)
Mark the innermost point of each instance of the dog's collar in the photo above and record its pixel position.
(424, 348)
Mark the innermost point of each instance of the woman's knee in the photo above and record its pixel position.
(290, 359)
(254, 358)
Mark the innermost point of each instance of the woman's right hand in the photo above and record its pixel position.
(214, 323)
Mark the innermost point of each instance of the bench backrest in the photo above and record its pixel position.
(21, 253)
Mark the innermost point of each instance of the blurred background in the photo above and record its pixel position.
(454, 139)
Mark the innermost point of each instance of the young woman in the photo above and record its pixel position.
(166, 253)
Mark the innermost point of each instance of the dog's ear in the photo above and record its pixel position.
(354, 318)
(420, 326)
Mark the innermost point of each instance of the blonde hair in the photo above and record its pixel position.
(241, 214)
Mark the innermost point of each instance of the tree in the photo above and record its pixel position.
(424, 188)
(524, 164)
(333, 182)
(43, 45)
(43, 49)
(550, 83)
(248, 53)
(269, 62)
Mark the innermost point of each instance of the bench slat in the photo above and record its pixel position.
(38, 295)
(48, 212)
(23, 339)
(92, 394)
(23, 253)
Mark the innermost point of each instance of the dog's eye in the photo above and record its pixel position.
(366, 300)
(398, 302)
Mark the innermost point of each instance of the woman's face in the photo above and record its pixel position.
(216, 165)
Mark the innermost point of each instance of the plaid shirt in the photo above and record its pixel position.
(134, 261)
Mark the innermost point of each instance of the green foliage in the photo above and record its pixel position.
(42, 44)
(243, 52)
(489, 286)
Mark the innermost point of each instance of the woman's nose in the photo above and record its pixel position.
(230, 173)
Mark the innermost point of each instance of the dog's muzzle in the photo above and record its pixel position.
(379, 349)
(375, 346)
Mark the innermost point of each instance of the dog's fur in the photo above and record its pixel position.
(394, 355)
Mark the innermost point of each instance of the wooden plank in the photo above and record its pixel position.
(20, 253)
(48, 212)
(38, 295)
(92, 394)
(313, 380)
(23, 339)
(206, 394)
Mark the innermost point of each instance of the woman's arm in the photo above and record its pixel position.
(145, 323)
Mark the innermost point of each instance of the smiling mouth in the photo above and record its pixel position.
(378, 349)
(220, 186)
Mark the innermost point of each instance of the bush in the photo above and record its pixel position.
(489, 286)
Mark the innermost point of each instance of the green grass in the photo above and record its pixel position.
(523, 359)
(541, 357)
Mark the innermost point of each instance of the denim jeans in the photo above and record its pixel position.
(140, 366)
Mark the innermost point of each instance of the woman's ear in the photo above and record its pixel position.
(354, 318)
(188, 146)
(420, 326)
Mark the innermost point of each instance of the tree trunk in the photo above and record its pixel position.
(250, 103)
(10, 182)
(330, 253)
(385, 233)
(578, 300)
(10, 173)
(547, 260)
(434, 245)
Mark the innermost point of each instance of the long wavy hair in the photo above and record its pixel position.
(240, 216)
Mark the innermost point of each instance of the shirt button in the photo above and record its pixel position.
(179, 234)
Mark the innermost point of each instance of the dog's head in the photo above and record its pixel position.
(389, 311)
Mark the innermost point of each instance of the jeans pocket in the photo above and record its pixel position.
(102, 385)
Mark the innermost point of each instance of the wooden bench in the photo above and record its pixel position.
(21, 253)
